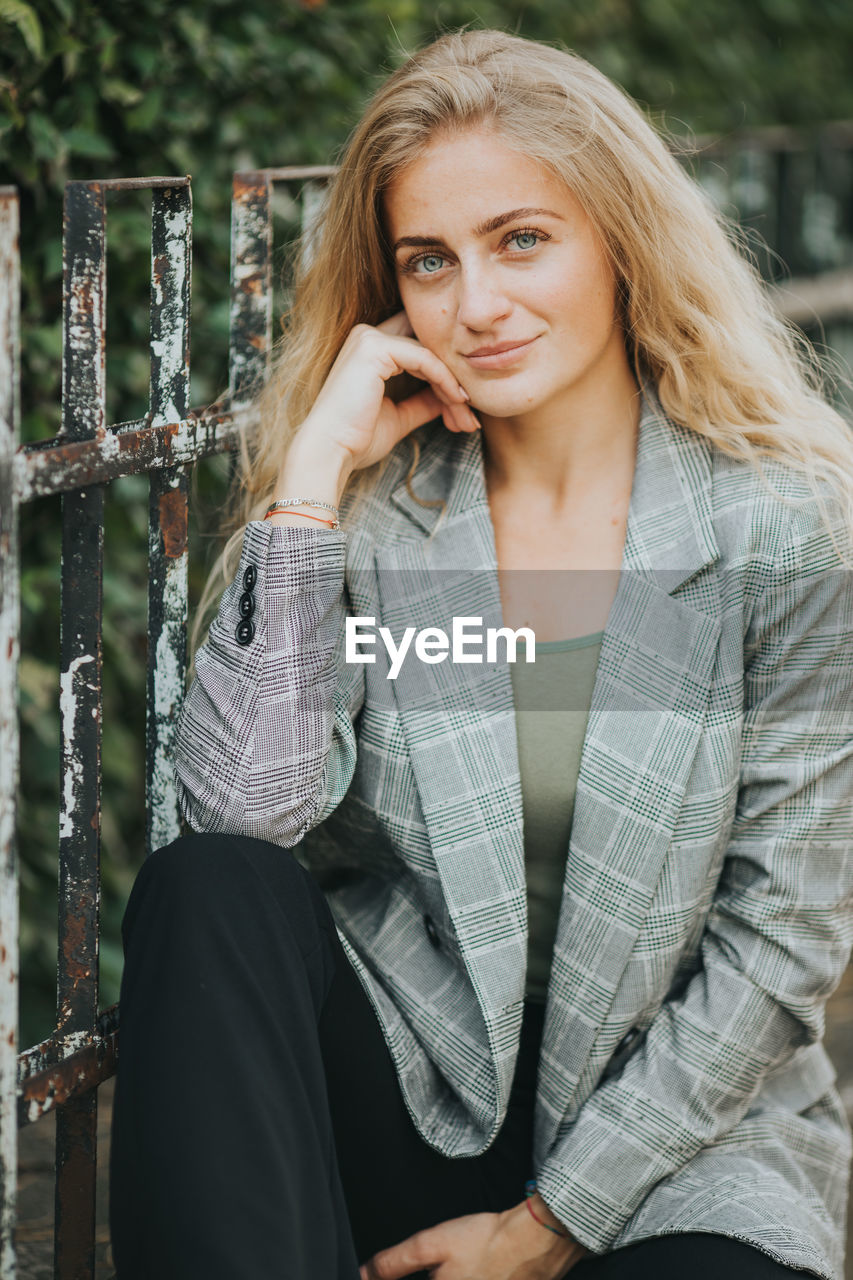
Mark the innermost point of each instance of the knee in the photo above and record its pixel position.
(209, 860)
(201, 873)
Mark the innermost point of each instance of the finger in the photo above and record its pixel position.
(402, 1259)
(399, 324)
(464, 418)
(425, 405)
(410, 356)
(422, 407)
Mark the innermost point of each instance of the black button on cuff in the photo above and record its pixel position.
(432, 932)
(250, 577)
(246, 604)
(245, 631)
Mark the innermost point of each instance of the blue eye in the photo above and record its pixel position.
(431, 263)
(525, 239)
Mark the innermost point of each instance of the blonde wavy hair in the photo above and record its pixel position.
(698, 322)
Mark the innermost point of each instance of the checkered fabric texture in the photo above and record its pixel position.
(707, 910)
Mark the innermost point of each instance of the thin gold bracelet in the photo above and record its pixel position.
(332, 524)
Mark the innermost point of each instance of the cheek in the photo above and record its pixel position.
(583, 294)
(429, 316)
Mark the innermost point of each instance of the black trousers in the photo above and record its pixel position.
(258, 1127)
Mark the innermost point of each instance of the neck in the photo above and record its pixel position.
(589, 435)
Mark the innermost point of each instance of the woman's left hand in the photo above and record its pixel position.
(480, 1246)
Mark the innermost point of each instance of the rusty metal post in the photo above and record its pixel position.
(83, 412)
(250, 343)
(171, 264)
(10, 613)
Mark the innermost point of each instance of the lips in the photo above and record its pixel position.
(500, 354)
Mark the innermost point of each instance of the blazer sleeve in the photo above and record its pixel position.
(265, 743)
(779, 931)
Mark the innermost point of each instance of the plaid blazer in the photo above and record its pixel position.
(706, 906)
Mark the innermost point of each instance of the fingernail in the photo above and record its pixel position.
(464, 393)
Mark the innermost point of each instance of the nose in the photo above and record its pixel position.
(482, 300)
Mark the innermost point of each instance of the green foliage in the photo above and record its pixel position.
(93, 90)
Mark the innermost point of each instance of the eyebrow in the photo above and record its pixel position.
(482, 229)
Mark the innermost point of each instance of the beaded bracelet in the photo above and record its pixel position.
(282, 504)
(530, 1190)
(287, 504)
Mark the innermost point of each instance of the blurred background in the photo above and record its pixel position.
(759, 96)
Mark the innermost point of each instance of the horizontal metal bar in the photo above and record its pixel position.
(66, 1067)
(131, 184)
(57, 1048)
(72, 1078)
(290, 173)
(813, 300)
(135, 449)
(836, 133)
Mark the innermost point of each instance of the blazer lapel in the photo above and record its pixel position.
(459, 723)
(646, 715)
(645, 722)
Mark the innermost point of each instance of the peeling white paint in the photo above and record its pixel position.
(73, 776)
(170, 293)
(168, 693)
(36, 1109)
(110, 445)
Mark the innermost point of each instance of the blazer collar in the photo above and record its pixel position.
(670, 534)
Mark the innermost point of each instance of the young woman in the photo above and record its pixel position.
(559, 1004)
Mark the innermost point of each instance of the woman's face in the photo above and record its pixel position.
(503, 276)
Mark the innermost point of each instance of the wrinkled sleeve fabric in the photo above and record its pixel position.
(780, 928)
(266, 744)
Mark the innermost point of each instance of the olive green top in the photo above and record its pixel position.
(552, 697)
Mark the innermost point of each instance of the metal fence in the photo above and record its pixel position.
(64, 1071)
(791, 191)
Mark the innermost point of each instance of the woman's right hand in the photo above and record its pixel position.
(354, 417)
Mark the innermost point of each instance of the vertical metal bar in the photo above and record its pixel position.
(250, 342)
(786, 217)
(314, 195)
(10, 613)
(171, 265)
(84, 299)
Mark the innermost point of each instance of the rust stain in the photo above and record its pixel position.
(160, 267)
(258, 341)
(173, 523)
(243, 190)
(76, 940)
(72, 1077)
(85, 297)
(252, 285)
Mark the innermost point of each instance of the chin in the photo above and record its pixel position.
(497, 404)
